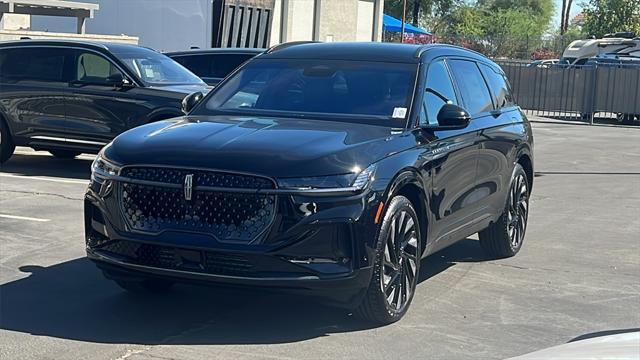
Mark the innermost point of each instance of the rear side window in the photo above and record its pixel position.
(212, 65)
(223, 65)
(198, 64)
(40, 64)
(472, 86)
(499, 88)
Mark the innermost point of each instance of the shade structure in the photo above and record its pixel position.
(389, 23)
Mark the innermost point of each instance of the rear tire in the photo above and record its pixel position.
(504, 238)
(149, 286)
(7, 147)
(626, 119)
(64, 154)
(396, 267)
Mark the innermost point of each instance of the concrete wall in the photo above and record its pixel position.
(15, 22)
(327, 20)
(6, 35)
(164, 25)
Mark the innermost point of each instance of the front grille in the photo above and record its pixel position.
(171, 258)
(229, 216)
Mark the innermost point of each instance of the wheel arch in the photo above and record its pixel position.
(525, 160)
(408, 183)
(3, 119)
(163, 114)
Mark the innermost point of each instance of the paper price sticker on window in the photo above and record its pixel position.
(399, 113)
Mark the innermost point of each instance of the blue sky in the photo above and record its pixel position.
(575, 8)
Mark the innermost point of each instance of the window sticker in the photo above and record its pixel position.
(399, 113)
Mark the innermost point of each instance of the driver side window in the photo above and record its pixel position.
(92, 68)
(438, 91)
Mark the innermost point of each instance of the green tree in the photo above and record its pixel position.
(608, 16)
(466, 20)
(539, 8)
(420, 12)
(501, 18)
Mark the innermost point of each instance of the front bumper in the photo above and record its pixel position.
(346, 290)
(326, 254)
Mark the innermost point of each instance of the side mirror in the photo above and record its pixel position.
(118, 80)
(190, 101)
(451, 117)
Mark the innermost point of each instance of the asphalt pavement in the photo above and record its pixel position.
(578, 274)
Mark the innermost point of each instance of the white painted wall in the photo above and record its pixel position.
(365, 19)
(300, 24)
(164, 25)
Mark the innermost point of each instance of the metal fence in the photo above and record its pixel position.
(577, 91)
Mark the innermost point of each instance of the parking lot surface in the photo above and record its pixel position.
(577, 274)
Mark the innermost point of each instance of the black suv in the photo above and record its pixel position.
(70, 97)
(328, 169)
(213, 65)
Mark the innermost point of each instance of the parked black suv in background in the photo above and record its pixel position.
(330, 169)
(213, 65)
(70, 97)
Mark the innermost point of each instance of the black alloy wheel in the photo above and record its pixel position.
(397, 264)
(504, 238)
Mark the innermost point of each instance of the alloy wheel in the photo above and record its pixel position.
(518, 211)
(399, 265)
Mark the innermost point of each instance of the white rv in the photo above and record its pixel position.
(579, 51)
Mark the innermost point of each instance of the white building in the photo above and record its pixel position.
(179, 24)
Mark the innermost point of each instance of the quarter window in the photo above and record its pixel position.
(439, 91)
(499, 88)
(473, 88)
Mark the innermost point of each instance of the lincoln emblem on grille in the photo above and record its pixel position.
(188, 187)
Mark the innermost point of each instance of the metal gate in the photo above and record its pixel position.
(242, 23)
(562, 91)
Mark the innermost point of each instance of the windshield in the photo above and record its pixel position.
(370, 92)
(155, 68)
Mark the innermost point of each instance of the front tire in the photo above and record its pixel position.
(504, 238)
(64, 154)
(7, 147)
(396, 266)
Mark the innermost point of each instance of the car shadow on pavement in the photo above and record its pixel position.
(72, 300)
(33, 165)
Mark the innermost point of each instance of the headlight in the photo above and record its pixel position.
(359, 179)
(102, 168)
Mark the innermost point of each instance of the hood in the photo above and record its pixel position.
(277, 148)
(623, 346)
(185, 89)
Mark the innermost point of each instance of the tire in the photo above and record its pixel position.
(7, 147)
(64, 154)
(396, 267)
(148, 286)
(626, 119)
(504, 238)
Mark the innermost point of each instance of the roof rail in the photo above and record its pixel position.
(286, 45)
(423, 48)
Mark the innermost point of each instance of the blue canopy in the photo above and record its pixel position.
(389, 23)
